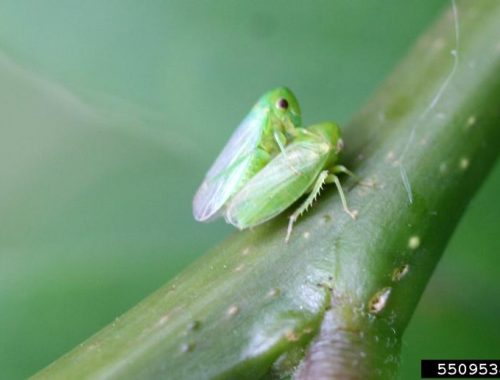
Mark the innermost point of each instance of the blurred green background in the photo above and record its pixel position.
(111, 112)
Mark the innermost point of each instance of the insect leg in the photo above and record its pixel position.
(308, 202)
(333, 178)
(281, 140)
(290, 128)
(342, 169)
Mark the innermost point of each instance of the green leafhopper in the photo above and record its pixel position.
(269, 163)
(264, 132)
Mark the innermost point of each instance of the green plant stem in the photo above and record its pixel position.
(336, 299)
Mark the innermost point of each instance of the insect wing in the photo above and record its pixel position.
(230, 168)
(284, 180)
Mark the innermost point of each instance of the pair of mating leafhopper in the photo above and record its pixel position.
(269, 163)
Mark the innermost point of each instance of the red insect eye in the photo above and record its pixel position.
(282, 103)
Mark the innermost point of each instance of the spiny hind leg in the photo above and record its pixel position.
(332, 178)
(308, 202)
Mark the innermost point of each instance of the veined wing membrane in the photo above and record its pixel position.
(230, 168)
(279, 184)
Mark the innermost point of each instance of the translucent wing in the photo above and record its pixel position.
(279, 184)
(230, 168)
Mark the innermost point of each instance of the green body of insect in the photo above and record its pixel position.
(268, 164)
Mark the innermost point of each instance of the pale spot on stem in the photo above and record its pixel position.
(291, 336)
(239, 268)
(164, 319)
(414, 242)
(232, 311)
(379, 300)
(273, 292)
(471, 121)
(187, 347)
(400, 272)
(464, 163)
